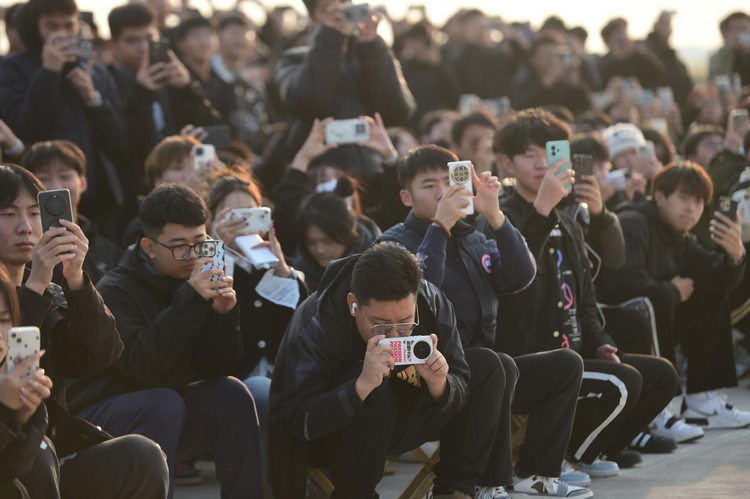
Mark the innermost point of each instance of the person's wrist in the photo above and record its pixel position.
(300, 163)
(542, 208)
(737, 257)
(496, 219)
(282, 270)
(36, 285)
(362, 389)
(13, 147)
(75, 281)
(93, 99)
(444, 224)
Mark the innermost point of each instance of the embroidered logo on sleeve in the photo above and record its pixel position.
(487, 263)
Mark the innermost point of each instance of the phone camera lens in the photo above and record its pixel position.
(199, 151)
(55, 205)
(421, 350)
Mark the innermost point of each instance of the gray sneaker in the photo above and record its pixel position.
(543, 486)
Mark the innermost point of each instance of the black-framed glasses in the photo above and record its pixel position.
(182, 251)
(402, 328)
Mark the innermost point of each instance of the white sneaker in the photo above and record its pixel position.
(543, 486)
(571, 476)
(667, 424)
(491, 493)
(710, 409)
(599, 468)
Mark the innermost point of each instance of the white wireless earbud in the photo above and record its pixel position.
(354, 308)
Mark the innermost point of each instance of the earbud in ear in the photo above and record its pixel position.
(354, 308)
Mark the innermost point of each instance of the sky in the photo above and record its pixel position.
(695, 27)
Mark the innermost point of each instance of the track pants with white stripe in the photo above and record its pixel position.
(618, 401)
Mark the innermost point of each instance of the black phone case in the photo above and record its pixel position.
(54, 206)
(730, 211)
(158, 52)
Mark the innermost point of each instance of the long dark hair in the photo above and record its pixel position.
(225, 184)
(331, 214)
(8, 293)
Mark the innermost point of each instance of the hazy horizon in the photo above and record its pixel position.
(696, 29)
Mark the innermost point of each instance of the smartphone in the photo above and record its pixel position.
(666, 97)
(54, 206)
(215, 251)
(646, 98)
(158, 51)
(583, 164)
(203, 155)
(219, 136)
(648, 150)
(739, 117)
(557, 150)
(23, 342)
(728, 207)
(356, 14)
(468, 103)
(723, 84)
(658, 124)
(501, 106)
(347, 132)
(256, 219)
(262, 258)
(459, 173)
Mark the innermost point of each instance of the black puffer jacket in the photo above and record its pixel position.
(367, 233)
(322, 338)
(339, 77)
(171, 335)
(19, 443)
(654, 254)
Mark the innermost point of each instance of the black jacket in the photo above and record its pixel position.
(654, 254)
(183, 106)
(39, 105)
(432, 86)
(604, 235)
(103, 255)
(367, 233)
(262, 322)
(19, 443)
(171, 335)
(644, 65)
(528, 321)
(322, 338)
(527, 91)
(337, 76)
(486, 72)
(78, 332)
(678, 74)
(471, 269)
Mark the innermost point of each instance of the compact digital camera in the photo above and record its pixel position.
(410, 350)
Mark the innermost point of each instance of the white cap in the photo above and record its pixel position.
(623, 137)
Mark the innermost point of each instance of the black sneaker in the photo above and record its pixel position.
(626, 458)
(647, 443)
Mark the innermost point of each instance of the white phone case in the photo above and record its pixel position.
(347, 132)
(262, 258)
(217, 255)
(256, 219)
(459, 173)
(23, 342)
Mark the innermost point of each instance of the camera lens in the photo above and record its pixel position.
(199, 151)
(55, 205)
(422, 350)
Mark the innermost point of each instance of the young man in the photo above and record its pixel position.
(244, 105)
(637, 168)
(197, 43)
(60, 164)
(620, 394)
(471, 139)
(702, 144)
(182, 338)
(339, 402)
(344, 76)
(47, 92)
(687, 284)
(733, 56)
(474, 272)
(159, 97)
(79, 336)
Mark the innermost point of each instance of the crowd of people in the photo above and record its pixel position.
(582, 299)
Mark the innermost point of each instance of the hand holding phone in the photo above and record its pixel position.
(459, 174)
(23, 343)
(215, 251)
(203, 156)
(261, 258)
(255, 219)
(347, 132)
(54, 206)
(558, 150)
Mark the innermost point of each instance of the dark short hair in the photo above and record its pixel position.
(591, 121)
(41, 154)
(172, 203)
(463, 124)
(417, 32)
(580, 32)
(132, 15)
(233, 20)
(340, 158)
(8, 293)
(331, 214)
(560, 112)
(734, 16)
(190, 24)
(166, 152)
(553, 22)
(590, 143)
(695, 135)
(540, 41)
(27, 19)
(423, 159)
(228, 183)
(612, 26)
(14, 180)
(386, 272)
(527, 128)
(660, 139)
(430, 120)
(684, 176)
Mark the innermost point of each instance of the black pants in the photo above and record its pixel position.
(702, 325)
(212, 416)
(546, 388)
(131, 467)
(356, 454)
(630, 329)
(618, 401)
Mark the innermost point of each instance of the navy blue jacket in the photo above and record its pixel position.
(470, 269)
(38, 104)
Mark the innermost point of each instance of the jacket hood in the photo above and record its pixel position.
(28, 27)
(136, 262)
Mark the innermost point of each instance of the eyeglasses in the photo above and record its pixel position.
(403, 328)
(182, 251)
